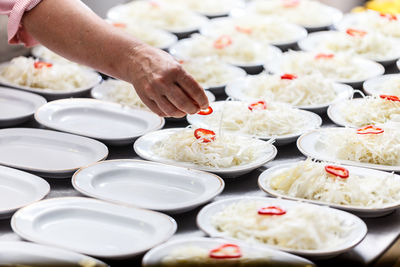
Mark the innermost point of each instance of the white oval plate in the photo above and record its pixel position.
(236, 88)
(17, 106)
(354, 238)
(93, 227)
(18, 189)
(102, 90)
(29, 254)
(313, 121)
(51, 94)
(313, 41)
(148, 185)
(105, 121)
(266, 176)
(116, 14)
(270, 257)
(48, 153)
(210, 29)
(180, 51)
(143, 148)
(310, 146)
(371, 69)
(373, 86)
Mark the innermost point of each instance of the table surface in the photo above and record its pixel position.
(382, 232)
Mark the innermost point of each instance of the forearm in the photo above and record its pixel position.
(75, 32)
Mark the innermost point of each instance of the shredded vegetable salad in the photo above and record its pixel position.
(303, 91)
(275, 120)
(208, 7)
(391, 86)
(211, 72)
(305, 12)
(221, 151)
(304, 226)
(29, 72)
(309, 180)
(376, 148)
(370, 110)
(163, 15)
(123, 93)
(337, 67)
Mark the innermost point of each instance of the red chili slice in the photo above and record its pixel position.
(324, 56)
(244, 30)
(154, 4)
(291, 3)
(337, 171)
(259, 105)
(356, 33)
(389, 16)
(41, 64)
(226, 251)
(271, 210)
(390, 97)
(119, 25)
(288, 76)
(206, 111)
(370, 129)
(204, 135)
(223, 42)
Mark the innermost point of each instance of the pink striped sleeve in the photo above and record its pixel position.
(15, 9)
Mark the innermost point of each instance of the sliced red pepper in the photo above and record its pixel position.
(337, 171)
(390, 97)
(204, 135)
(154, 4)
(271, 210)
(324, 56)
(223, 42)
(259, 105)
(356, 33)
(291, 3)
(226, 251)
(244, 30)
(181, 61)
(206, 111)
(41, 64)
(288, 76)
(119, 25)
(370, 129)
(389, 16)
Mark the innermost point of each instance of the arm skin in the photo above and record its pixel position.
(75, 32)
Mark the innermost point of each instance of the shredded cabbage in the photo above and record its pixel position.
(303, 91)
(346, 144)
(369, 110)
(200, 256)
(163, 15)
(256, 28)
(211, 72)
(374, 46)
(340, 67)
(372, 21)
(123, 93)
(59, 77)
(208, 7)
(277, 120)
(309, 180)
(226, 151)
(391, 86)
(241, 51)
(305, 226)
(306, 13)
(48, 55)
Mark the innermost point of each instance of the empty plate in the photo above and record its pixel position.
(105, 121)
(30, 254)
(17, 106)
(148, 185)
(93, 227)
(48, 153)
(18, 189)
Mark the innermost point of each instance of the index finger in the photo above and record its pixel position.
(192, 88)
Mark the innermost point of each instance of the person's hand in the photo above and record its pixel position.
(163, 85)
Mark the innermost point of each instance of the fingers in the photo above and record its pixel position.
(192, 88)
(168, 108)
(181, 100)
(153, 107)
